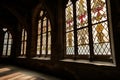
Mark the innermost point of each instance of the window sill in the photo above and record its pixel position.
(42, 58)
(21, 57)
(99, 63)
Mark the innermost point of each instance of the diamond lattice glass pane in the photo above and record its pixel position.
(81, 11)
(100, 33)
(98, 10)
(44, 44)
(101, 39)
(49, 43)
(70, 43)
(102, 49)
(83, 41)
(83, 50)
(69, 17)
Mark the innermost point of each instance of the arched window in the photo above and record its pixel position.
(44, 35)
(7, 43)
(88, 32)
(23, 42)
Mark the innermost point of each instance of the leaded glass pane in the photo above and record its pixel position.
(44, 44)
(23, 43)
(10, 41)
(10, 36)
(9, 50)
(39, 40)
(100, 33)
(83, 41)
(38, 44)
(81, 13)
(103, 49)
(39, 27)
(6, 35)
(69, 17)
(101, 39)
(44, 25)
(49, 43)
(70, 43)
(41, 13)
(5, 41)
(9, 47)
(8, 53)
(98, 11)
(22, 49)
(49, 26)
(25, 47)
(25, 35)
(4, 49)
(4, 52)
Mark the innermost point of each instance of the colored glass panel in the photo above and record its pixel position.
(70, 43)
(69, 17)
(83, 41)
(81, 13)
(98, 11)
(101, 39)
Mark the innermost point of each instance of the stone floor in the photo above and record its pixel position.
(8, 72)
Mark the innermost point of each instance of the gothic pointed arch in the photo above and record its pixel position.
(42, 29)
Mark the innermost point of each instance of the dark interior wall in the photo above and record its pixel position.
(115, 18)
(68, 70)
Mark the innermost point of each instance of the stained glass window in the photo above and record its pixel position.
(98, 11)
(81, 13)
(23, 42)
(82, 23)
(44, 36)
(7, 43)
(100, 30)
(91, 27)
(69, 29)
